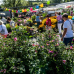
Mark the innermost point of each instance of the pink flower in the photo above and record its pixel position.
(64, 61)
(49, 36)
(71, 47)
(72, 39)
(2, 46)
(33, 45)
(4, 70)
(39, 47)
(57, 35)
(36, 51)
(15, 39)
(42, 46)
(57, 44)
(52, 40)
(50, 51)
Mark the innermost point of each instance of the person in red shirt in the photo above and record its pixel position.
(48, 23)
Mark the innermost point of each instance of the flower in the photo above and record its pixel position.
(36, 51)
(39, 47)
(15, 39)
(57, 35)
(71, 47)
(64, 61)
(57, 44)
(52, 40)
(49, 36)
(33, 45)
(72, 39)
(47, 44)
(50, 51)
(42, 46)
(4, 70)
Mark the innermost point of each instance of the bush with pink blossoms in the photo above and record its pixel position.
(20, 56)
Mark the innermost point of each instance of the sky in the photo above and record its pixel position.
(0, 1)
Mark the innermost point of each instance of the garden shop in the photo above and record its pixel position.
(31, 42)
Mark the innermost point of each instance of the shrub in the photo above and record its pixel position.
(20, 56)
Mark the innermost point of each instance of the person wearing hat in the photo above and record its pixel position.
(68, 33)
(48, 23)
(3, 29)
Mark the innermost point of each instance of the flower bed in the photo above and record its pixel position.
(19, 56)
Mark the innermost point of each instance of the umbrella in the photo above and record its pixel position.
(68, 6)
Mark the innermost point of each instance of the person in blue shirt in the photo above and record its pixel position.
(68, 33)
(38, 20)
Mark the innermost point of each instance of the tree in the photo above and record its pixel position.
(56, 1)
(14, 3)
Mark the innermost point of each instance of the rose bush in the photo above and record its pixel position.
(20, 56)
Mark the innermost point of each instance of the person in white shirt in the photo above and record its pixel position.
(3, 29)
(68, 33)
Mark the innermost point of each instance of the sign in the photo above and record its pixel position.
(5, 14)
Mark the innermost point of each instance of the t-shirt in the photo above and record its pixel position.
(68, 25)
(37, 19)
(12, 23)
(59, 17)
(47, 22)
(4, 27)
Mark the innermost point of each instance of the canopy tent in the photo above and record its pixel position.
(65, 5)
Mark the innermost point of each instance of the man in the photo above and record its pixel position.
(3, 29)
(68, 33)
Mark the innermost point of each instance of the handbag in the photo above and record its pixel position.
(2, 31)
(60, 21)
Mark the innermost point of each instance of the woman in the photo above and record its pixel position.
(59, 19)
(68, 33)
(48, 23)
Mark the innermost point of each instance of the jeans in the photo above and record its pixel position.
(38, 23)
(59, 27)
(67, 40)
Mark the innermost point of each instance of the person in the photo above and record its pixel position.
(59, 19)
(73, 22)
(56, 14)
(4, 20)
(3, 29)
(48, 23)
(12, 23)
(68, 33)
(38, 20)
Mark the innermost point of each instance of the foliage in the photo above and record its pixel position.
(33, 17)
(30, 21)
(20, 56)
(14, 3)
(8, 27)
(15, 19)
(44, 14)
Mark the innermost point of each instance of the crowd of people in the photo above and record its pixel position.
(66, 37)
